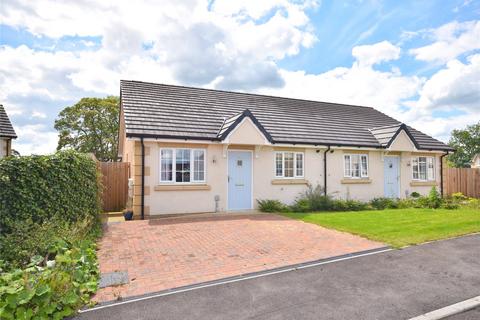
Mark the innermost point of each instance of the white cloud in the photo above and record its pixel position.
(175, 42)
(35, 139)
(455, 87)
(39, 115)
(369, 55)
(450, 41)
(441, 128)
(232, 45)
(360, 84)
(195, 44)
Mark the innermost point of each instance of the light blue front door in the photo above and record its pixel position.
(391, 176)
(239, 180)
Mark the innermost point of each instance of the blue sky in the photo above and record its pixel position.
(418, 61)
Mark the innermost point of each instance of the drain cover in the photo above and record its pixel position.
(113, 279)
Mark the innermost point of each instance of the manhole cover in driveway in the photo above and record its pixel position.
(110, 279)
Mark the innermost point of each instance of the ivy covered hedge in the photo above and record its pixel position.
(39, 188)
(49, 224)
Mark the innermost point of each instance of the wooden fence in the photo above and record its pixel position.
(115, 185)
(464, 180)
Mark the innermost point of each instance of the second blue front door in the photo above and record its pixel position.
(391, 173)
(239, 180)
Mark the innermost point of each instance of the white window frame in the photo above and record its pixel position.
(295, 176)
(361, 175)
(427, 178)
(174, 169)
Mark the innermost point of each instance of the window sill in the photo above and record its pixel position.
(178, 187)
(356, 181)
(289, 181)
(423, 183)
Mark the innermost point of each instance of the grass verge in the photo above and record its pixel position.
(398, 227)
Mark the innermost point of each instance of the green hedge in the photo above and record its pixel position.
(64, 185)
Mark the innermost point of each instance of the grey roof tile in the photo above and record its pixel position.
(167, 111)
(6, 128)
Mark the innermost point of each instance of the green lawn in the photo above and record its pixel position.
(399, 227)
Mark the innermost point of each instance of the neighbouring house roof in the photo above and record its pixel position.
(476, 161)
(177, 112)
(6, 128)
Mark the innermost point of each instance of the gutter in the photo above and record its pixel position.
(142, 205)
(441, 172)
(325, 170)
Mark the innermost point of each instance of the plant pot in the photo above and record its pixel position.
(128, 215)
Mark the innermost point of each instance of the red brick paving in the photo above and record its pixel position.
(173, 252)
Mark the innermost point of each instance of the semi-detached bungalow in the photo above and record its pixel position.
(197, 150)
(7, 133)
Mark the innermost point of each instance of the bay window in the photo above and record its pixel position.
(289, 164)
(182, 165)
(355, 166)
(423, 168)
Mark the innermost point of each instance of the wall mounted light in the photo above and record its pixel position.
(214, 159)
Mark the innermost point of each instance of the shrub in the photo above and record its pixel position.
(314, 199)
(450, 203)
(405, 203)
(271, 206)
(458, 196)
(473, 203)
(415, 194)
(384, 203)
(422, 202)
(301, 205)
(54, 290)
(434, 199)
(348, 205)
(35, 189)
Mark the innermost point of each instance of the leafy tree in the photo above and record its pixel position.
(467, 144)
(91, 126)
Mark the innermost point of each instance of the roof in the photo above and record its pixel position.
(6, 128)
(230, 123)
(178, 112)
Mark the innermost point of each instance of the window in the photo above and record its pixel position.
(423, 168)
(166, 164)
(182, 165)
(355, 166)
(289, 164)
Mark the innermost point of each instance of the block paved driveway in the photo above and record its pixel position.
(173, 252)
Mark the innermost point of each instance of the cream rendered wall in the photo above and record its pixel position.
(194, 201)
(264, 173)
(246, 133)
(3, 147)
(402, 143)
(375, 188)
(187, 201)
(406, 178)
(265, 185)
(353, 190)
